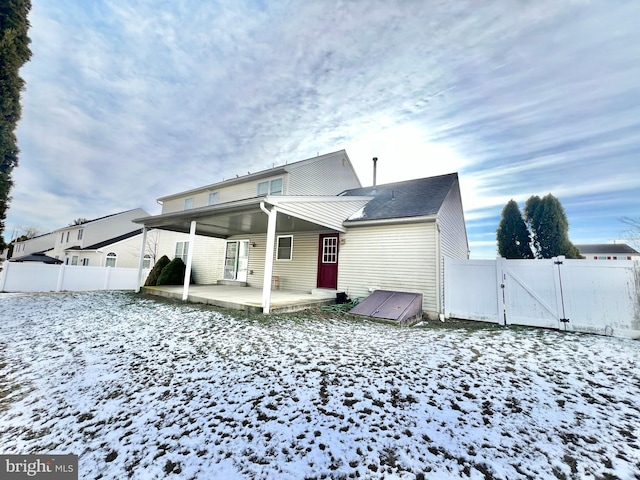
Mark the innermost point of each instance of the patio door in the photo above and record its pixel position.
(236, 260)
(328, 261)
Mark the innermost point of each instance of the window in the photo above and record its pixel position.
(62, 238)
(80, 232)
(68, 236)
(330, 250)
(270, 187)
(85, 262)
(285, 248)
(111, 260)
(74, 260)
(182, 250)
(213, 198)
(146, 261)
(188, 203)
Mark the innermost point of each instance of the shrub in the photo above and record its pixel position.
(173, 273)
(152, 279)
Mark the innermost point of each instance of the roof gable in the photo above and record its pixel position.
(412, 198)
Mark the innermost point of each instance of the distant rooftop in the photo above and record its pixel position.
(601, 248)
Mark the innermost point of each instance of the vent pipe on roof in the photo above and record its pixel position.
(375, 167)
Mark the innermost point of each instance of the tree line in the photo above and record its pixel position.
(14, 52)
(542, 232)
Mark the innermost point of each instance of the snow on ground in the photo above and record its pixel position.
(140, 388)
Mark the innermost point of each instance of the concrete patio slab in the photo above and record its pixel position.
(244, 298)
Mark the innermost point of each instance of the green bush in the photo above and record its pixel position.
(152, 279)
(173, 273)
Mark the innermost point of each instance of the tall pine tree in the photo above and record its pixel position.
(512, 235)
(548, 223)
(14, 52)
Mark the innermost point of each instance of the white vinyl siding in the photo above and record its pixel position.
(453, 232)
(327, 175)
(299, 275)
(208, 255)
(389, 257)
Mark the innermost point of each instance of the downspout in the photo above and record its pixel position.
(141, 263)
(268, 257)
(187, 273)
(439, 302)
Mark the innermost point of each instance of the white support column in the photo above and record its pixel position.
(141, 263)
(187, 273)
(4, 274)
(268, 259)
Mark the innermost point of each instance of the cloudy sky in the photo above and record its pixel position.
(130, 101)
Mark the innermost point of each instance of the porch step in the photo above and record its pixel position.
(324, 292)
(231, 283)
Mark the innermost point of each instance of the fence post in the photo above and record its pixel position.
(5, 272)
(501, 303)
(107, 277)
(60, 278)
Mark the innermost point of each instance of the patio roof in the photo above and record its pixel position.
(297, 214)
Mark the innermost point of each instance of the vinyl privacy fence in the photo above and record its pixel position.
(577, 295)
(38, 277)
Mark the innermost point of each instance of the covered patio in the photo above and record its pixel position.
(265, 215)
(247, 299)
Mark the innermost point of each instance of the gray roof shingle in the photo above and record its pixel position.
(411, 198)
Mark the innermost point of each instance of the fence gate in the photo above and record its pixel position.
(580, 295)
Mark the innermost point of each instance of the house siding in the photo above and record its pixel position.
(390, 257)
(453, 233)
(208, 255)
(312, 178)
(298, 274)
(231, 193)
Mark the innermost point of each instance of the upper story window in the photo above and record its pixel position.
(188, 203)
(62, 238)
(270, 187)
(68, 236)
(214, 198)
(80, 232)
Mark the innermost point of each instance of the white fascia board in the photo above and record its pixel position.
(390, 221)
(280, 199)
(306, 218)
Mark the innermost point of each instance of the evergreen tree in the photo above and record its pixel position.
(512, 235)
(14, 52)
(549, 226)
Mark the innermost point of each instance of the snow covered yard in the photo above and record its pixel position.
(142, 388)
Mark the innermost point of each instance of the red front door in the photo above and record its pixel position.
(328, 261)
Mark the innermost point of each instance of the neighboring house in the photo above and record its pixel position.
(36, 258)
(112, 240)
(608, 251)
(322, 229)
(38, 244)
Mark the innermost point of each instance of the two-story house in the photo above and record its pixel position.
(109, 241)
(310, 225)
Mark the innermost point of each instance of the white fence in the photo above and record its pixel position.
(38, 277)
(593, 296)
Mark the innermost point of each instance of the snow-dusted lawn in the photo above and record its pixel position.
(147, 389)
